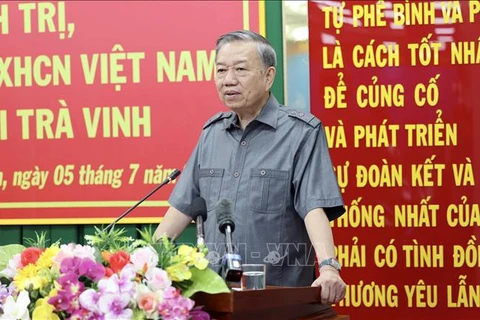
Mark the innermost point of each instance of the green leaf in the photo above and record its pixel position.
(4, 280)
(165, 249)
(147, 234)
(205, 281)
(7, 252)
(183, 285)
(40, 242)
(109, 240)
(138, 314)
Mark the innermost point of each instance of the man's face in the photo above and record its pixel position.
(242, 81)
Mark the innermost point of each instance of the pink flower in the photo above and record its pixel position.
(175, 306)
(198, 314)
(148, 300)
(157, 279)
(84, 314)
(172, 293)
(89, 300)
(91, 269)
(67, 298)
(123, 283)
(70, 265)
(3, 294)
(62, 301)
(114, 306)
(144, 258)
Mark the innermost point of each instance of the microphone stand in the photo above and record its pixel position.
(200, 233)
(169, 179)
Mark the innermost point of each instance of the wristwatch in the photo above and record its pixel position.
(330, 262)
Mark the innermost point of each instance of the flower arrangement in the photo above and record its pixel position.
(111, 277)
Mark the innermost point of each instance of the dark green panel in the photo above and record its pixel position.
(274, 31)
(130, 230)
(10, 235)
(189, 236)
(87, 229)
(76, 233)
(65, 234)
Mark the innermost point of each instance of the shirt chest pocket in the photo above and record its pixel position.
(210, 181)
(267, 190)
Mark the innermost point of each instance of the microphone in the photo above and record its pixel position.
(199, 211)
(169, 179)
(231, 269)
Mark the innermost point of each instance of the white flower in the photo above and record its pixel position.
(13, 310)
(13, 265)
(144, 259)
(74, 250)
(157, 279)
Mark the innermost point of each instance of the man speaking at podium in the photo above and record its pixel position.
(273, 164)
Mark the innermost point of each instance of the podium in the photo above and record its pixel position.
(273, 303)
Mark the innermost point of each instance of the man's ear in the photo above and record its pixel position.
(269, 77)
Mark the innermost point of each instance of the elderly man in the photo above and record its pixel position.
(273, 164)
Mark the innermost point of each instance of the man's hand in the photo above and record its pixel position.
(331, 284)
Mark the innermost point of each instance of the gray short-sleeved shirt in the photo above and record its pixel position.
(275, 171)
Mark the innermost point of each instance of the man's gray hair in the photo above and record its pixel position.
(265, 49)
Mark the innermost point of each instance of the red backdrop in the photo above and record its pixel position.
(408, 166)
(111, 87)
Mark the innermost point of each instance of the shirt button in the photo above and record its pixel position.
(236, 174)
(293, 112)
(263, 172)
(243, 143)
(301, 114)
(212, 171)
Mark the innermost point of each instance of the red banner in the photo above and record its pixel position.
(397, 86)
(101, 101)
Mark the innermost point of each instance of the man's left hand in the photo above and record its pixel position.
(331, 284)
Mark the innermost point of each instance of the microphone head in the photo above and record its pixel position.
(199, 208)
(174, 175)
(224, 212)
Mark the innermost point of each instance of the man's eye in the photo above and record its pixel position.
(220, 70)
(241, 69)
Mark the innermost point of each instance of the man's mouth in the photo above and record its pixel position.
(231, 93)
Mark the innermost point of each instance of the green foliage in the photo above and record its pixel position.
(147, 235)
(4, 280)
(112, 240)
(166, 250)
(205, 280)
(202, 280)
(7, 252)
(165, 247)
(41, 241)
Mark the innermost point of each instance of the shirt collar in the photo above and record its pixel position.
(268, 115)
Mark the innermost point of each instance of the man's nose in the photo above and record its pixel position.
(230, 77)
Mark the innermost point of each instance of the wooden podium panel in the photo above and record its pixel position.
(273, 303)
